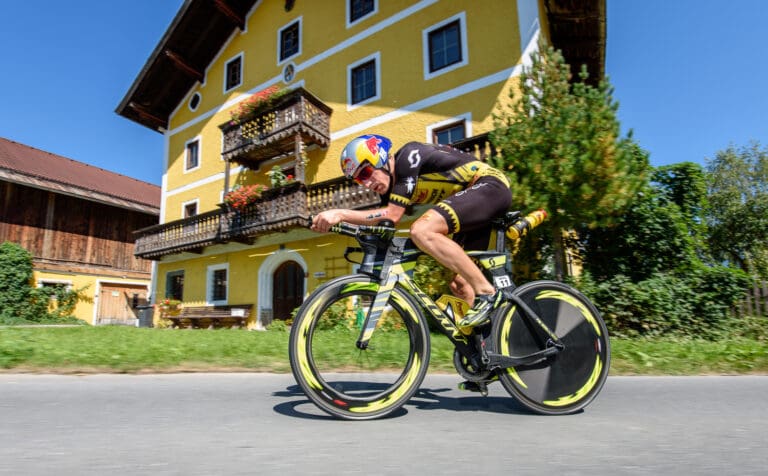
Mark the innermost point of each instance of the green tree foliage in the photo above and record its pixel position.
(650, 237)
(15, 280)
(738, 208)
(649, 273)
(662, 231)
(560, 144)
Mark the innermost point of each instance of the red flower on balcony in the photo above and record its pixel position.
(241, 197)
(257, 101)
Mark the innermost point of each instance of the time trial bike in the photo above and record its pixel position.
(546, 343)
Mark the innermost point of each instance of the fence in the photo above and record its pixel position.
(756, 301)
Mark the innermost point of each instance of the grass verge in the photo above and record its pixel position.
(109, 349)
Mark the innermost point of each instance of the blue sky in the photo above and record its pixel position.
(689, 76)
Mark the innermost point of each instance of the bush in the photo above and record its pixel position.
(692, 305)
(20, 301)
(16, 292)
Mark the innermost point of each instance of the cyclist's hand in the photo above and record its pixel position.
(323, 221)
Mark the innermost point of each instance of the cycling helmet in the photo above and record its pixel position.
(371, 148)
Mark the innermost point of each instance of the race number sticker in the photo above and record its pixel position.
(502, 281)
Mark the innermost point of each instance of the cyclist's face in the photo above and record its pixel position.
(376, 180)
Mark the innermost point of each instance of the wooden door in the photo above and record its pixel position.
(288, 289)
(116, 302)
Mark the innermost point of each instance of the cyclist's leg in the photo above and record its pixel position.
(430, 233)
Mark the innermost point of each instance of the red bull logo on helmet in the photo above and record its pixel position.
(372, 143)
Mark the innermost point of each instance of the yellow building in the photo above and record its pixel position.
(428, 70)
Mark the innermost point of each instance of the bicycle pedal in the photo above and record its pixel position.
(480, 387)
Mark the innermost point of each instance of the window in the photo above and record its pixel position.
(174, 285)
(217, 283)
(192, 155)
(449, 134)
(54, 288)
(290, 41)
(450, 130)
(194, 102)
(359, 9)
(233, 73)
(445, 46)
(190, 209)
(364, 81)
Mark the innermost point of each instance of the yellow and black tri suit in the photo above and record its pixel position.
(468, 193)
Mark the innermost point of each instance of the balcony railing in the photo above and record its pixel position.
(278, 210)
(273, 131)
(480, 146)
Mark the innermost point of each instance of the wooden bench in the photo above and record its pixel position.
(238, 313)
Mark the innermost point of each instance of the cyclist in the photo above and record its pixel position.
(465, 193)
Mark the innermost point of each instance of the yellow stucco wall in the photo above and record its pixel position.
(409, 105)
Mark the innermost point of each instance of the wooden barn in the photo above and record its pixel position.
(77, 221)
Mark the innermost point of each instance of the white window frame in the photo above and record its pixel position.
(209, 284)
(466, 117)
(67, 283)
(368, 15)
(168, 273)
(241, 56)
(196, 201)
(280, 62)
(199, 141)
(376, 57)
(199, 100)
(42, 282)
(462, 17)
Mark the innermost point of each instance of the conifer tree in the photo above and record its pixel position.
(559, 142)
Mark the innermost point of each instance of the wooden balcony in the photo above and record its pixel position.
(480, 146)
(297, 116)
(278, 210)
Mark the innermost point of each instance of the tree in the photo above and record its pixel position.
(560, 145)
(651, 237)
(737, 189)
(685, 185)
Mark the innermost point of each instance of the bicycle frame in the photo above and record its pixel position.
(391, 261)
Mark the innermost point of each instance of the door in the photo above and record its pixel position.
(288, 289)
(116, 303)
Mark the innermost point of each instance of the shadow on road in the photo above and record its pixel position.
(425, 399)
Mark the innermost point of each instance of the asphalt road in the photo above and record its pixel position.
(249, 424)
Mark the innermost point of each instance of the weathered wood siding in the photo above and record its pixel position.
(69, 230)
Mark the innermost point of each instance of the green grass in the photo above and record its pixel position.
(86, 349)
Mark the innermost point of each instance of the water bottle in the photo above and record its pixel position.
(521, 227)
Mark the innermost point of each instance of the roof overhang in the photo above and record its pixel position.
(578, 29)
(202, 27)
(194, 38)
(48, 185)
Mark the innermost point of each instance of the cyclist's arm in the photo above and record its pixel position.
(324, 220)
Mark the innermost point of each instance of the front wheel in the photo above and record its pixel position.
(343, 380)
(569, 380)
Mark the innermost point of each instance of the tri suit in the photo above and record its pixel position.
(468, 193)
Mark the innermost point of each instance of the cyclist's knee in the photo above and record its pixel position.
(428, 224)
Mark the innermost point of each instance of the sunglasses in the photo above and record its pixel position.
(363, 173)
